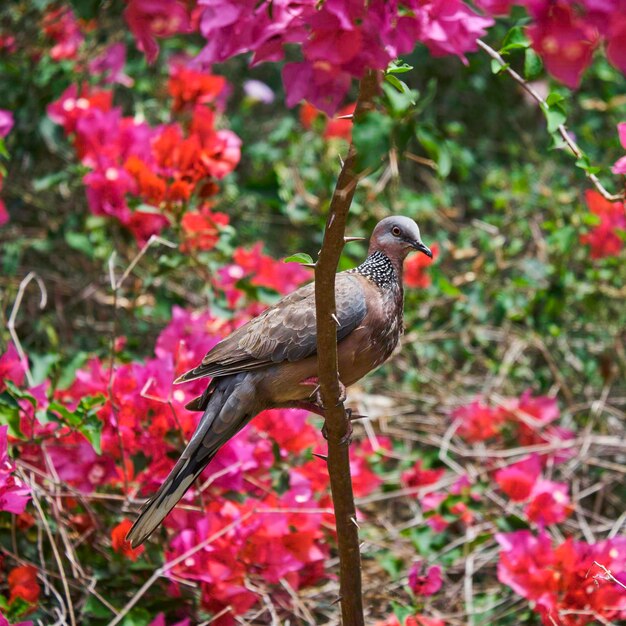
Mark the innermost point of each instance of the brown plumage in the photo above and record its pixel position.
(271, 361)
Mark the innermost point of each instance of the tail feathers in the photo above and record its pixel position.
(171, 491)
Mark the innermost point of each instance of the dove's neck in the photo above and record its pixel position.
(381, 270)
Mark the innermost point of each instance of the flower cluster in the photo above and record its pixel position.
(339, 39)
(547, 501)
(275, 535)
(62, 28)
(604, 239)
(564, 582)
(145, 176)
(527, 420)
(415, 269)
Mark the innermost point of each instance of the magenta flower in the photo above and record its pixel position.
(111, 65)
(423, 580)
(14, 494)
(6, 122)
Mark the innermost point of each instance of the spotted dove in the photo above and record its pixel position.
(271, 361)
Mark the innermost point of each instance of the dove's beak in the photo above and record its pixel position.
(418, 245)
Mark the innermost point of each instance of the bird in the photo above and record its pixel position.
(271, 361)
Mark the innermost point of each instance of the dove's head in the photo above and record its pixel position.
(396, 236)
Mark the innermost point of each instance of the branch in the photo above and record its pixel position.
(337, 422)
(569, 140)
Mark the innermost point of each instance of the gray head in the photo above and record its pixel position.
(396, 236)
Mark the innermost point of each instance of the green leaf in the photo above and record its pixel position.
(10, 414)
(533, 64)
(497, 67)
(555, 115)
(399, 97)
(515, 40)
(84, 418)
(398, 67)
(299, 257)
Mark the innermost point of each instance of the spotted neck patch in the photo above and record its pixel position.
(379, 269)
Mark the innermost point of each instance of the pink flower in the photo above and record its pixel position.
(517, 480)
(565, 42)
(549, 503)
(423, 580)
(451, 27)
(77, 463)
(110, 64)
(12, 367)
(14, 495)
(149, 19)
(6, 122)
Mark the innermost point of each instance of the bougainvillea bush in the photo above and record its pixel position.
(158, 161)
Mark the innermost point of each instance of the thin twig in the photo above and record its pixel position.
(336, 419)
(567, 137)
(16, 307)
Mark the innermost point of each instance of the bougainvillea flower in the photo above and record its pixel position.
(23, 584)
(12, 367)
(202, 229)
(417, 476)
(110, 64)
(517, 480)
(604, 239)
(423, 580)
(549, 503)
(149, 19)
(6, 122)
(189, 87)
(415, 274)
(561, 581)
(478, 421)
(119, 543)
(14, 494)
(564, 41)
(72, 105)
(62, 27)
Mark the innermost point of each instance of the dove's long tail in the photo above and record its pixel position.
(228, 411)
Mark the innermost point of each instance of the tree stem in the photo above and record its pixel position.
(337, 422)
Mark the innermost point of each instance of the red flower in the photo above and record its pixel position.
(417, 476)
(604, 239)
(201, 229)
(119, 543)
(150, 186)
(340, 128)
(517, 480)
(23, 584)
(479, 422)
(425, 581)
(190, 87)
(415, 274)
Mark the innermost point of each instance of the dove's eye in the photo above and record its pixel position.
(395, 231)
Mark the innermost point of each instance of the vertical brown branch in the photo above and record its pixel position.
(336, 419)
